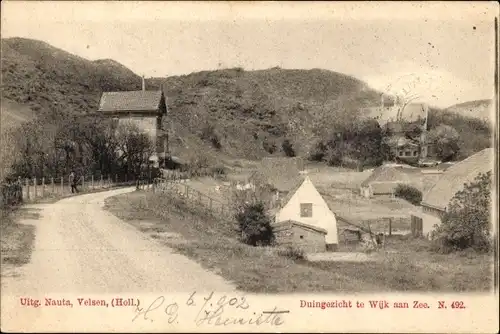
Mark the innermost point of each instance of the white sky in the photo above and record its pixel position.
(444, 52)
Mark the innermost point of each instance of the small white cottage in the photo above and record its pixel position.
(306, 205)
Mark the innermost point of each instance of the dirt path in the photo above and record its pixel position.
(82, 249)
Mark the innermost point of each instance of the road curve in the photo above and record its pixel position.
(82, 249)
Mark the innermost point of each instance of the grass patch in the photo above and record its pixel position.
(16, 239)
(404, 265)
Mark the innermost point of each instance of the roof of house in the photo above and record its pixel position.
(281, 173)
(386, 174)
(299, 182)
(381, 188)
(299, 224)
(454, 178)
(130, 101)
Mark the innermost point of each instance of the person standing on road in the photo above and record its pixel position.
(73, 182)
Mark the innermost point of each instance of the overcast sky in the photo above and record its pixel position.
(442, 52)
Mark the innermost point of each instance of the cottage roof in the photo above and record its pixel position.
(302, 225)
(130, 101)
(454, 178)
(381, 188)
(386, 174)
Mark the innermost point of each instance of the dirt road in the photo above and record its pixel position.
(82, 249)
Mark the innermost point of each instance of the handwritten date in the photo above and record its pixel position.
(209, 310)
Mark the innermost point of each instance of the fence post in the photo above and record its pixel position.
(83, 183)
(109, 180)
(34, 187)
(92, 182)
(53, 185)
(62, 185)
(187, 191)
(27, 189)
(390, 226)
(43, 186)
(101, 182)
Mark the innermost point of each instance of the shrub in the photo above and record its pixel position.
(409, 193)
(318, 152)
(467, 223)
(292, 253)
(255, 224)
(270, 147)
(209, 133)
(218, 170)
(287, 147)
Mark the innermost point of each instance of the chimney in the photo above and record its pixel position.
(143, 84)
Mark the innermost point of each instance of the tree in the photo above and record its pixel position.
(467, 223)
(287, 147)
(255, 224)
(409, 193)
(445, 138)
(134, 148)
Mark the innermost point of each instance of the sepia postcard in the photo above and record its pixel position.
(249, 167)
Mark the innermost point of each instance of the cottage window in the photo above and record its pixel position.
(306, 210)
(414, 153)
(400, 153)
(407, 153)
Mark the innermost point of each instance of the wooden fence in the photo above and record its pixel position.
(32, 189)
(194, 198)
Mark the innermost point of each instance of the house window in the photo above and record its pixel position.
(407, 153)
(306, 210)
(414, 153)
(400, 153)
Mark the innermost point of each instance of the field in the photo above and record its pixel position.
(404, 265)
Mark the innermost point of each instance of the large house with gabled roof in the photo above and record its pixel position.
(143, 108)
(436, 200)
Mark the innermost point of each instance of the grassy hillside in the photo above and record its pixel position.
(252, 111)
(482, 109)
(215, 115)
(43, 77)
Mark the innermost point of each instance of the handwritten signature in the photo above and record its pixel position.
(211, 311)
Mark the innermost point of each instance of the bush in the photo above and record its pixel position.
(209, 133)
(292, 253)
(270, 147)
(255, 225)
(409, 193)
(467, 223)
(318, 152)
(287, 147)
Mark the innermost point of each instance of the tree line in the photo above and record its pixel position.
(53, 145)
(364, 143)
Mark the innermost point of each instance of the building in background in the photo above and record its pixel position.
(437, 198)
(145, 109)
(385, 179)
(395, 116)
